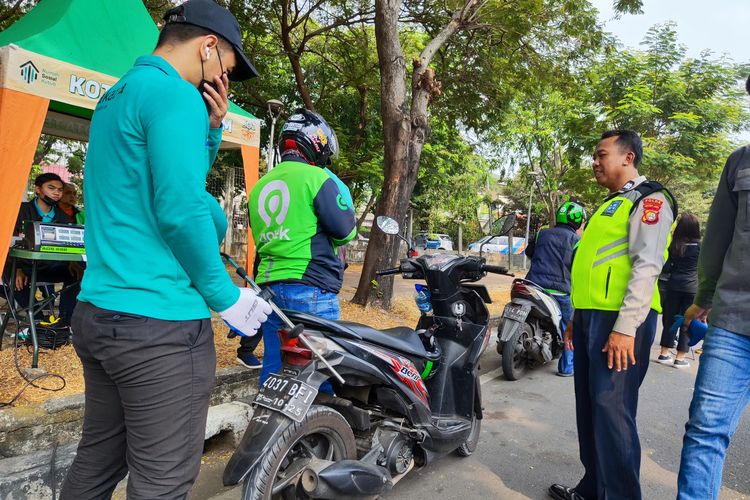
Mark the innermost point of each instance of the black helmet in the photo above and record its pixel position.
(310, 134)
(571, 213)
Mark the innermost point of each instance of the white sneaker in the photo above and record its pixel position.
(665, 360)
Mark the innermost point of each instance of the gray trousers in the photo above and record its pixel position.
(148, 384)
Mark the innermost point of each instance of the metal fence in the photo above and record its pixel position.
(227, 185)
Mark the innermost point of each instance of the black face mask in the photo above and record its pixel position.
(49, 201)
(205, 83)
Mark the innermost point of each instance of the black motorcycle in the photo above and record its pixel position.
(400, 397)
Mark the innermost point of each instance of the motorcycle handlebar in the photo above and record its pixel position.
(496, 269)
(388, 272)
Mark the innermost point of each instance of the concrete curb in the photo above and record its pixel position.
(31, 436)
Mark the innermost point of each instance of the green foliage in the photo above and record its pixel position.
(685, 109)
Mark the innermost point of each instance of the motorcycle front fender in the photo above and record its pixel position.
(264, 430)
(508, 329)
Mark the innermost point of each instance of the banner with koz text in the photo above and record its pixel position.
(57, 80)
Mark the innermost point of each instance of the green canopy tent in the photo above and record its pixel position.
(55, 64)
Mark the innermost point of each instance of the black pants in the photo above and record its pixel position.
(148, 384)
(606, 406)
(675, 303)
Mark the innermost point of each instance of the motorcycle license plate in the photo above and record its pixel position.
(515, 312)
(286, 395)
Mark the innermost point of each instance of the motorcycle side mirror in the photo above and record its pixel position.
(500, 227)
(387, 224)
(503, 225)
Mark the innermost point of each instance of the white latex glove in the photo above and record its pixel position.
(247, 314)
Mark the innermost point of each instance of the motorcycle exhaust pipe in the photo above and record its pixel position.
(347, 479)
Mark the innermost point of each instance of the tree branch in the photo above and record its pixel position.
(11, 12)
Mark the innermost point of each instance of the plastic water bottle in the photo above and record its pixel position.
(422, 298)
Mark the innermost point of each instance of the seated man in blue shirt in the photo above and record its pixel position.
(44, 207)
(551, 262)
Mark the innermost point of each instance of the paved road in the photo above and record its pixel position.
(528, 441)
(529, 437)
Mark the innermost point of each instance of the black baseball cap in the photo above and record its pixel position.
(208, 15)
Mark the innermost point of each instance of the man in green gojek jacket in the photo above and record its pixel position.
(616, 301)
(298, 217)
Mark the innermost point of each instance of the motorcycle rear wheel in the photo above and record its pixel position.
(323, 433)
(515, 362)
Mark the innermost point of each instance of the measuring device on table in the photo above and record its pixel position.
(53, 237)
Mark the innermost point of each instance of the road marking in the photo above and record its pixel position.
(490, 376)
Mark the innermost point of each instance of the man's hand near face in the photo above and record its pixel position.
(217, 100)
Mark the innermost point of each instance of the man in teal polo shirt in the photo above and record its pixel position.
(142, 326)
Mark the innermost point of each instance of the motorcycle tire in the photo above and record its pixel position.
(323, 431)
(468, 446)
(515, 363)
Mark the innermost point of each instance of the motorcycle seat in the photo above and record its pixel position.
(402, 339)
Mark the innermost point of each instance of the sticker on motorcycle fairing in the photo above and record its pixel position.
(612, 208)
(405, 371)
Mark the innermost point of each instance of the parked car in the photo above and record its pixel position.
(498, 244)
(433, 241)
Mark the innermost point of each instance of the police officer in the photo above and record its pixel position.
(616, 302)
(142, 325)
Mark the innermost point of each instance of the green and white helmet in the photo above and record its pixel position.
(571, 213)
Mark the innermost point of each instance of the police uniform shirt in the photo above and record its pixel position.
(648, 234)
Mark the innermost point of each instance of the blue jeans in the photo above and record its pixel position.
(722, 390)
(565, 365)
(297, 297)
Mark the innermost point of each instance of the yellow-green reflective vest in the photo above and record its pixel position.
(601, 267)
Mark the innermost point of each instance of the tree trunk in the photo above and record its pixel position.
(368, 207)
(294, 55)
(396, 191)
(405, 130)
(43, 149)
(300, 79)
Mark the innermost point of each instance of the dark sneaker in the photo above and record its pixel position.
(665, 360)
(249, 361)
(560, 492)
(681, 363)
(561, 374)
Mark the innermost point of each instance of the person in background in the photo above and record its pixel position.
(551, 260)
(45, 208)
(48, 189)
(68, 205)
(298, 216)
(722, 386)
(680, 287)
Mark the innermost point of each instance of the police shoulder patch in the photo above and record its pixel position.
(651, 208)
